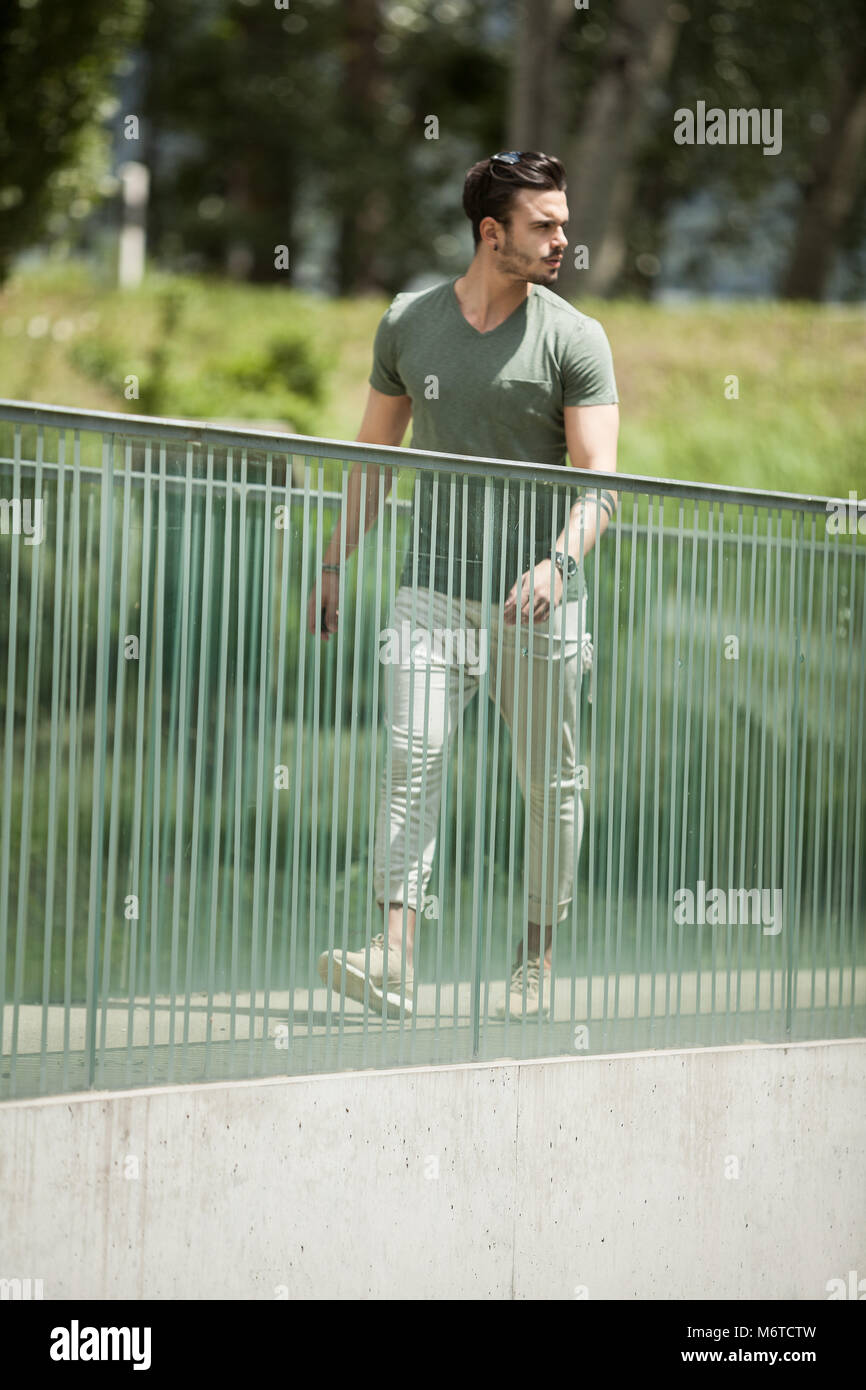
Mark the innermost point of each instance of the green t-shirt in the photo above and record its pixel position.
(494, 395)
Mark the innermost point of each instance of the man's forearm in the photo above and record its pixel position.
(588, 520)
(334, 552)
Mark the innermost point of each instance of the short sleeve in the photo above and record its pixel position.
(385, 376)
(587, 366)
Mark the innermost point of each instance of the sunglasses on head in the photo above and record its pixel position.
(508, 157)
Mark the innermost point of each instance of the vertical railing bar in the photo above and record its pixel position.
(99, 752)
(647, 619)
(702, 819)
(748, 799)
(792, 740)
(222, 712)
(422, 817)
(774, 834)
(374, 749)
(265, 604)
(805, 868)
(858, 763)
(54, 760)
(844, 877)
(838, 837)
(118, 713)
(29, 752)
(480, 779)
(279, 726)
(237, 774)
(831, 796)
(156, 756)
(337, 746)
(497, 729)
(389, 793)
(551, 665)
(8, 756)
(593, 771)
(657, 768)
(183, 698)
(438, 779)
(684, 861)
(252, 746)
(315, 748)
(458, 836)
(512, 833)
(610, 706)
(72, 588)
(353, 729)
(626, 759)
(449, 586)
(163, 828)
(202, 705)
(410, 754)
(527, 781)
(298, 770)
(578, 737)
(717, 740)
(817, 833)
(674, 747)
(761, 823)
(139, 853)
(732, 778)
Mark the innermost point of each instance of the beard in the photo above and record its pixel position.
(525, 267)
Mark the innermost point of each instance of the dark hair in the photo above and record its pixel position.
(490, 185)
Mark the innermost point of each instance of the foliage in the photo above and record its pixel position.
(307, 128)
(280, 376)
(56, 66)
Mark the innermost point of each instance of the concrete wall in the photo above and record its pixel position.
(599, 1177)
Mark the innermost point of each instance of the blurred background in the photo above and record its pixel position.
(206, 205)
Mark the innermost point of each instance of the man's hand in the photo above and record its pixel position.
(542, 579)
(330, 612)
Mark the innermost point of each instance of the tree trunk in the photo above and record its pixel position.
(831, 189)
(601, 158)
(363, 215)
(535, 105)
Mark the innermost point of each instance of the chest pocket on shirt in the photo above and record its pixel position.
(534, 397)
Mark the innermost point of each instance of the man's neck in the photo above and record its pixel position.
(487, 298)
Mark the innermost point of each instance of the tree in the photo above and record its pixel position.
(600, 90)
(833, 187)
(56, 67)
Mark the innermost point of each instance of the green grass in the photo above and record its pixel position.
(796, 425)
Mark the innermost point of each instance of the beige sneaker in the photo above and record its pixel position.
(385, 997)
(537, 983)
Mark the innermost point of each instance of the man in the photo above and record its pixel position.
(518, 374)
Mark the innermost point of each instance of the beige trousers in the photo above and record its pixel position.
(426, 656)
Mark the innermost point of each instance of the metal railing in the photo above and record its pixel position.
(191, 780)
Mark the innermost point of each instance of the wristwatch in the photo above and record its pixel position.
(566, 564)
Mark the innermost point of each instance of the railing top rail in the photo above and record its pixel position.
(199, 432)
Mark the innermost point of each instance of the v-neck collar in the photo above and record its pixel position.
(476, 332)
